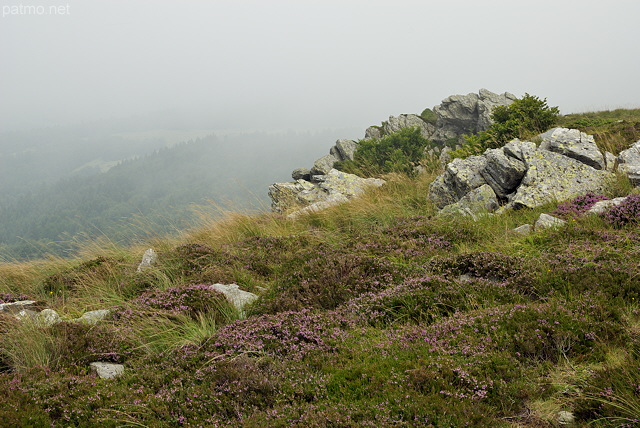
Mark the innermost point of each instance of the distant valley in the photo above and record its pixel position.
(62, 186)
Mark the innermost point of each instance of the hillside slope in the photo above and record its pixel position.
(376, 312)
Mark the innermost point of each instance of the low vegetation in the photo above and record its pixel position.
(399, 152)
(372, 313)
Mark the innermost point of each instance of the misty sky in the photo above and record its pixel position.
(306, 64)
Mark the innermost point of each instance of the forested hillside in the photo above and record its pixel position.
(58, 189)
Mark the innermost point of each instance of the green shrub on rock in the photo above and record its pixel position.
(523, 118)
(399, 152)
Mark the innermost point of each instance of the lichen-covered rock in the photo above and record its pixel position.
(460, 177)
(478, 201)
(566, 419)
(519, 149)
(346, 149)
(373, 132)
(574, 144)
(285, 196)
(330, 201)
(527, 176)
(610, 161)
(467, 114)
(554, 177)
(629, 163)
(301, 174)
(349, 185)
(299, 194)
(324, 164)
(503, 173)
(396, 123)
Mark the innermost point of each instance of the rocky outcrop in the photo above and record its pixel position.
(466, 114)
(567, 164)
(336, 186)
(455, 116)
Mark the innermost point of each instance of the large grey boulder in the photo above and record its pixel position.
(629, 163)
(324, 164)
(335, 185)
(467, 114)
(554, 177)
(346, 149)
(397, 123)
(301, 174)
(373, 132)
(285, 196)
(502, 172)
(519, 149)
(459, 178)
(574, 144)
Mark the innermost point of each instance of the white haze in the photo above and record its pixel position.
(305, 64)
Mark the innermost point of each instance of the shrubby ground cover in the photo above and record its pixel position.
(373, 313)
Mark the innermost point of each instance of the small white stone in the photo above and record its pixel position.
(48, 317)
(93, 317)
(106, 370)
(546, 221)
(148, 259)
(565, 419)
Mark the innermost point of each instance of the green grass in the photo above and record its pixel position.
(372, 313)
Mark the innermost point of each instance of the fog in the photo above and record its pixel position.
(305, 64)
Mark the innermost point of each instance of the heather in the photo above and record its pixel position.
(372, 313)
